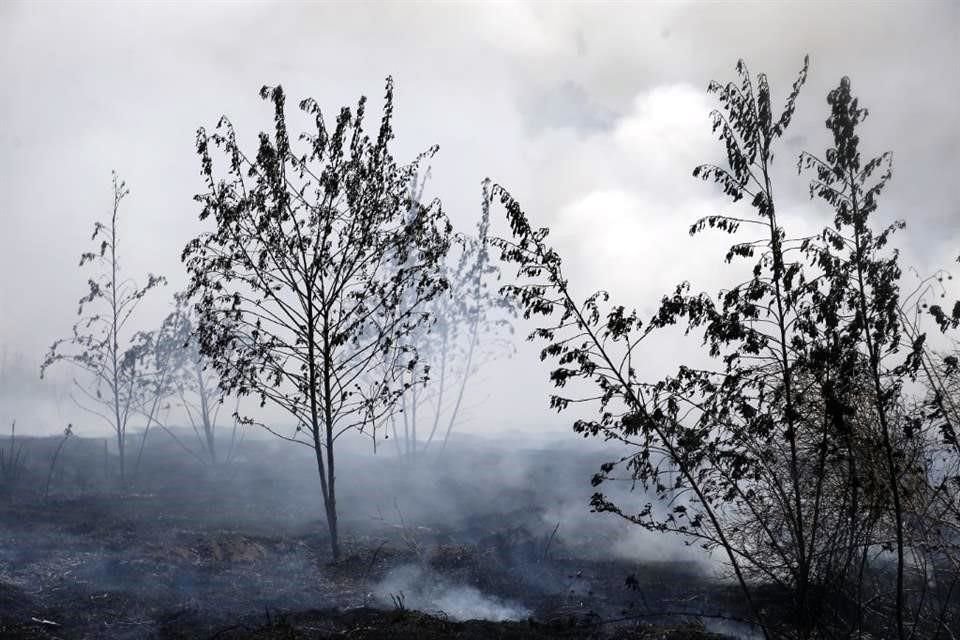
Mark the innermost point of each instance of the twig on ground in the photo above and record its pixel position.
(45, 622)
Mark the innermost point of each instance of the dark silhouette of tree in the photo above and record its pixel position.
(798, 453)
(702, 437)
(100, 346)
(935, 425)
(867, 273)
(318, 267)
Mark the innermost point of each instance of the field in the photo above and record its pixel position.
(502, 547)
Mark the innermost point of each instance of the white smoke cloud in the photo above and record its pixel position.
(425, 591)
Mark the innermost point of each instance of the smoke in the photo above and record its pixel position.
(39, 407)
(732, 628)
(414, 587)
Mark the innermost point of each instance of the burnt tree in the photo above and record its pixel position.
(318, 266)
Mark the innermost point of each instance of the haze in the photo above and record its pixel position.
(593, 114)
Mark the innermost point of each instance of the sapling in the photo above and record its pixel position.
(53, 460)
(317, 268)
(100, 346)
(11, 462)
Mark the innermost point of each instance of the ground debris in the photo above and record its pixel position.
(375, 624)
(49, 623)
(203, 559)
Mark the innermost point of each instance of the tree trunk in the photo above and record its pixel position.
(440, 390)
(332, 526)
(208, 426)
(331, 488)
(474, 336)
(873, 352)
(122, 461)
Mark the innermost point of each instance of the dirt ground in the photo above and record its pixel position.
(199, 555)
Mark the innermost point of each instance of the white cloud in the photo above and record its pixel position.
(627, 198)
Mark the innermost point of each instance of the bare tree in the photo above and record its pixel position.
(193, 384)
(174, 374)
(314, 273)
(470, 327)
(100, 346)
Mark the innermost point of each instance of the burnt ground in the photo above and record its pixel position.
(240, 551)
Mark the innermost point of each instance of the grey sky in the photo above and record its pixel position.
(593, 114)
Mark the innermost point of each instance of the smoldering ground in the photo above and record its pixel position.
(486, 529)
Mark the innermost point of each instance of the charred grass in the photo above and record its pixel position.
(195, 555)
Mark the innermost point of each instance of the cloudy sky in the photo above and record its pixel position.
(593, 114)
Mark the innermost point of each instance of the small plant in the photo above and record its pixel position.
(399, 601)
(53, 461)
(408, 535)
(100, 344)
(11, 463)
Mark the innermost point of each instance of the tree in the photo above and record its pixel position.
(936, 550)
(867, 274)
(702, 438)
(318, 266)
(173, 369)
(100, 346)
(771, 455)
(469, 322)
(196, 385)
(154, 353)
